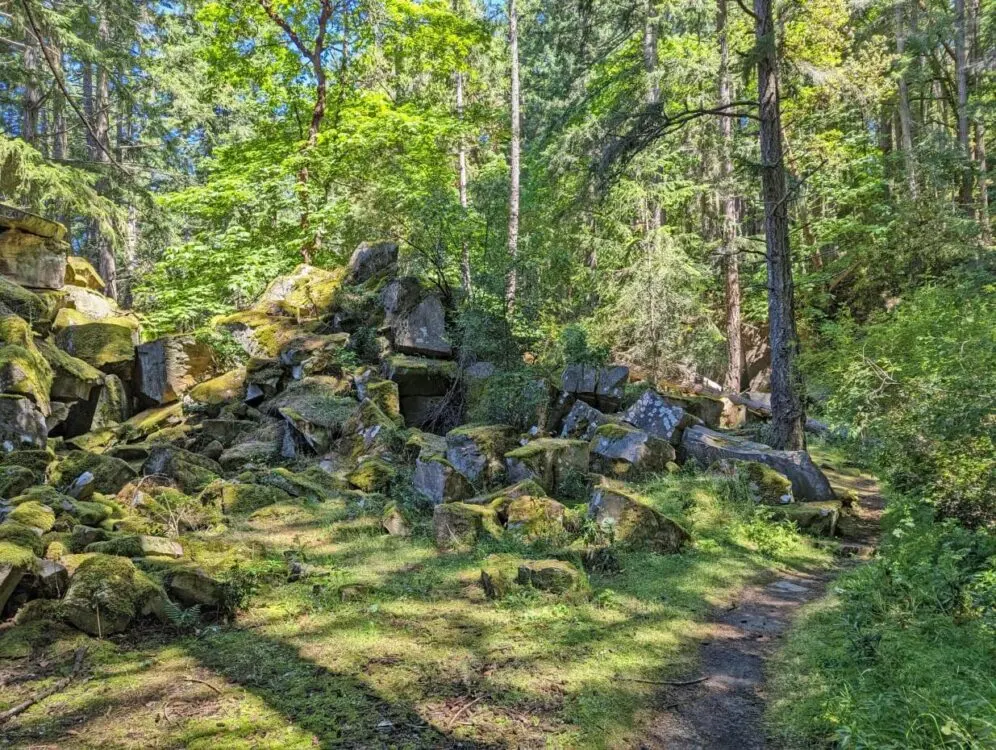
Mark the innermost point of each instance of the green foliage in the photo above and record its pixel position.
(903, 655)
(182, 620)
(511, 397)
(577, 350)
(918, 384)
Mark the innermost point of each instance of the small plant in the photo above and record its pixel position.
(183, 620)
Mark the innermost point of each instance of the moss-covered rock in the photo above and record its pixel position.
(501, 498)
(498, 575)
(316, 408)
(259, 333)
(151, 421)
(249, 453)
(478, 451)
(306, 292)
(555, 463)
(554, 576)
(368, 431)
(210, 396)
(767, 486)
(23, 370)
(242, 497)
(191, 472)
(436, 479)
(459, 525)
(816, 518)
(33, 514)
(109, 474)
(108, 345)
(629, 520)
(14, 480)
(36, 459)
(312, 484)
(372, 475)
(79, 272)
(534, 518)
(22, 536)
(192, 586)
(82, 537)
(138, 545)
(394, 522)
(24, 303)
(385, 394)
(106, 593)
(21, 423)
(621, 450)
(420, 376)
(113, 404)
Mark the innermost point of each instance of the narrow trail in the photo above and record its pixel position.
(726, 710)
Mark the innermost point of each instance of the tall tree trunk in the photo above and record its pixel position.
(980, 164)
(788, 412)
(32, 93)
(462, 187)
(961, 78)
(905, 114)
(512, 282)
(102, 105)
(731, 263)
(653, 97)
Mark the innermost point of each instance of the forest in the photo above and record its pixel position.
(543, 373)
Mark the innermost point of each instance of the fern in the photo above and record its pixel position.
(183, 620)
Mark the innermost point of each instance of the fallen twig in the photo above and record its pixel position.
(460, 712)
(62, 684)
(672, 683)
(202, 682)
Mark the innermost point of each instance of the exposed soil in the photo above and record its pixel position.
(726, 710)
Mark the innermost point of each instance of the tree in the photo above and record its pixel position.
(788, 412)
(728, 251)
(512, 282)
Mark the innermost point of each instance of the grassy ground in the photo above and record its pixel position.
(386, 642)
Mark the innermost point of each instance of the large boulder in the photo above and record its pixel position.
(23, 369)
(190, 471)
(316, 409)
(138, 545)
(79, 272)
(816, 518)
(73, 379)
(622, 450)
(658, 417)
(370, 259)
(210, 396)
(459, 526)
(534, 518)
(599, 386)
(306, 292)
(423, 384)
(23, 302)
(707, 446)
(192, 586)
(478, 451)
(438, 480)
(554, 576)
(582, 421)
(31, 259)
(106, 593)
(559, 466)
(93, 305)
(21, 423)
(632, 522)
(259, 333)
(416, 319)
(108, 345)
(168, 367)
(109, 474)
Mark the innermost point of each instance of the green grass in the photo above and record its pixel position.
(903, 654)
(415, 655)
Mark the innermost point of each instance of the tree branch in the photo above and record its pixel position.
(267, 7)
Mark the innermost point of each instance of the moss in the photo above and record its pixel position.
(231, 386)
(82, 537)
(23, 369)
(109, 474)
(404, 364)
(15, 555)
(33, 514)
(79, 272)
(460, 525)
(98, 343)
(498, 574)
(22, 536)
(191, 471)
(372, 475)
(240, 497)
(127, 545)
(542, 446)
(554, 576)
(316, 400)
(311, 484)
(535, 518)
(56, 545)
(94, 441)
(37, 460)
(384, 393)
(614, 431)
(67, 366)
(769, 485)
(106, 593)
(14, 480)
(26, 304)
(312, 291)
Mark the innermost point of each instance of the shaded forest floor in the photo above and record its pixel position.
(384, 642)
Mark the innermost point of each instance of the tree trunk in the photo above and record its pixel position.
(462, 187)
(105, 251)
(731, 262)
(961, 77)
(650, 64)
(788, 412)
(905, 114)
(980, 164)
(512, 282)
(32, 93)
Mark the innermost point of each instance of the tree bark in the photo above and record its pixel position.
(788, 412)
(462, 188)
(961, 78)
(105, 251)
(32, 93)
(731, 263)
(653, 96)
(512, 281)
(905, 114)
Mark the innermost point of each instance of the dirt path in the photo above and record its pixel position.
(726, 711)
